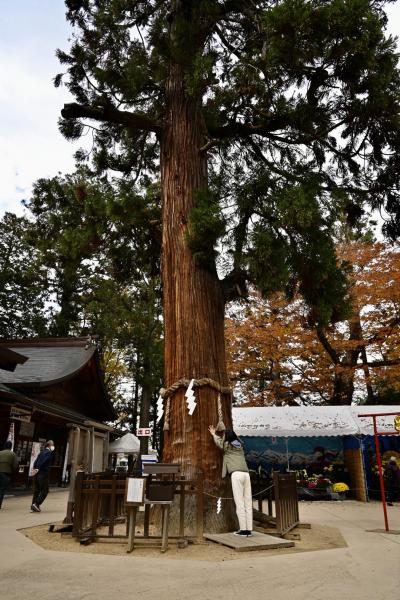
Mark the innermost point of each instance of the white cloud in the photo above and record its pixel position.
(30, 143)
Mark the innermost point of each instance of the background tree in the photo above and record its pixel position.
(278, 356)
(23, 285)
(103, 271)
(274, 358)
(274, 116)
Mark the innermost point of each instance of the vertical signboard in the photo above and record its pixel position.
(34, 455)
(11, 435)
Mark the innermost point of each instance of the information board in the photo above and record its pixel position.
(134, 491)
(20, 414)
(26, 429)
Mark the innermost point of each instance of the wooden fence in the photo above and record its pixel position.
(283, 492)
(286, 502)
(100, 502)
(262, 490)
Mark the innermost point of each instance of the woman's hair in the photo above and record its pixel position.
(230, 436)
(8, 445)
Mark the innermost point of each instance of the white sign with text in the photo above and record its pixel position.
(144, 432)
(135, 490)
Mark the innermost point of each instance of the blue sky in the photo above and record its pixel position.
(30, 143)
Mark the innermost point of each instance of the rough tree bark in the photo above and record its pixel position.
(193, 302)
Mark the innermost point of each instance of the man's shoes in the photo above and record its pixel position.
(249, 533)
(242, 532)
(389, 503)
(35, 508)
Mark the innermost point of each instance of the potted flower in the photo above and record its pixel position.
(340, 488)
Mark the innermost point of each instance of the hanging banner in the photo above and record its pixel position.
(64, 472)
(11, 435)
(34, 454)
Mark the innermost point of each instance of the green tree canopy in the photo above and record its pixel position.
(100, 259)
(300, 108)
(23, 284)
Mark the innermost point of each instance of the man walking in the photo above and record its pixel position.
(8, 464)
(41, 470)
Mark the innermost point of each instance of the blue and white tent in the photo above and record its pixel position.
(310, 421)
(291, 438)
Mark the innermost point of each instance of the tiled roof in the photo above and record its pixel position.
(47, 365)
(52, 361)
(9, 359)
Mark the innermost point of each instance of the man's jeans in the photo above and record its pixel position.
(41, 488)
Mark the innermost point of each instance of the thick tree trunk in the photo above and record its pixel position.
(345, 371)
(67, 315)
(343, 388)
(193, 304)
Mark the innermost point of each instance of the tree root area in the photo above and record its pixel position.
(317, 538)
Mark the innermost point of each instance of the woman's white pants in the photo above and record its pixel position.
(241, 487)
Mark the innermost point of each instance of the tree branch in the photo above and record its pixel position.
(225, 42)
(109, 114)
(386, 362)
(234, 285)
(327, 346)
(235, 129)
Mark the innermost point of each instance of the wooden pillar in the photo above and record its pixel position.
(92, 450)
(106, 442)
(87, 457)
(354, 464)
(74, 443)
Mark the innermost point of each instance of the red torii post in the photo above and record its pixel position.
(378, 453)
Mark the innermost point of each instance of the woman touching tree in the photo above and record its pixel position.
(234, 464)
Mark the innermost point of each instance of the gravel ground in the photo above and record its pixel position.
(317, 538)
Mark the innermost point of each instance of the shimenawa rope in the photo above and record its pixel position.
(167, 393)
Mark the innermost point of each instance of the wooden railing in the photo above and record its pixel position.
(100, 501)
(286, 505)
(262, 490)
(286, 502)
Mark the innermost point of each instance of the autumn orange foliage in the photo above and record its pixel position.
(276, 356)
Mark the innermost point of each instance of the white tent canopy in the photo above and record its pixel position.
(310, 421)
(127, 444)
